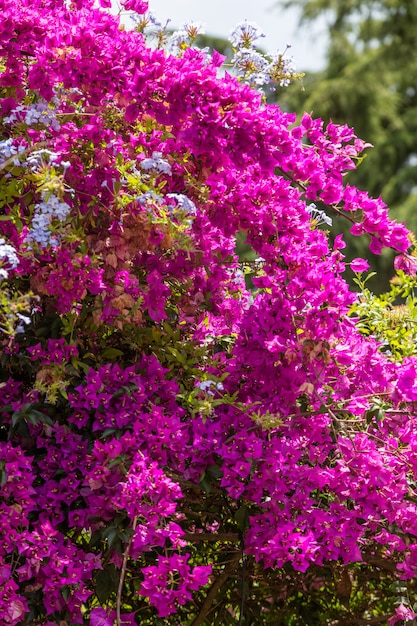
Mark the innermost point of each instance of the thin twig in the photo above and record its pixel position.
(234, 537)
(218, 583)
(9, 161)
(123, 574)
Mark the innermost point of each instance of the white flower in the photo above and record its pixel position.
(185, 37)
(252, 66)
(149, 196)
(183, 202)
(245, 34)
(49, 209)
(24, 321)
(8, 149)
(194, 28)
(8, 254)
(33, 114)
(317, 216)
(281, 68)
(156, 163)
(155, 21)
(208, 385)
(37, 158)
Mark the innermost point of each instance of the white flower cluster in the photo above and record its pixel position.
(156, 22)
(245, 34)
(285, 66)
(317, 216)
(8, 255)
(185, 37)
(51, 208)
(37, 158)
(253, 66)
(207, 386)
(151, 27)
(34, 114)
(156, 164)
(149, 23)
(183, 202)
(149, 196)
(8, 149)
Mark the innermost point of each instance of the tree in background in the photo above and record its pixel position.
(369, 82)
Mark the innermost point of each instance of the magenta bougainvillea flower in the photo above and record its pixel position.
(359, 265)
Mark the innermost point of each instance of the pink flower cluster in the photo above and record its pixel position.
(145, 364)
(171, 582)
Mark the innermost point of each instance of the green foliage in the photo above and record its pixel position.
(390, 317)
(223, 46)
(14, 307)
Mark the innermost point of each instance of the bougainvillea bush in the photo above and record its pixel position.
(179, 427)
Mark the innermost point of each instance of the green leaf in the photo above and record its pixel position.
(106, 583)
(16, 417)
(107, 432)
(205, 483)
(66, 592)
(180, 358)
(42, 417)
(242, 517)
(95, 538)
(111, 533)
(125, 389)
(112, 353)
(214, 471)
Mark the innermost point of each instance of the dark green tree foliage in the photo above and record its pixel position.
(215, 43)
(370, 82)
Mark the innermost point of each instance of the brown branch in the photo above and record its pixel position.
(304, 187)
(123, 574)
(234, 537)
(218, 583)
(384, 564)
(363, 621)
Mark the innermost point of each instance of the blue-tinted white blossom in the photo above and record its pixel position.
(156, 22)
(37, 158)
(194, 28)
(24, 320)
(152, 27)
(51, 208)
(281, 66)
(252, 66)
(184, 37)
(34, 114)
(319, 217)
(8, 256)
(156, 164)
(237, 276)
(208, 386)
(183, 202)
(245, 34)
(8, 149)
(149, 196)
(257, 69)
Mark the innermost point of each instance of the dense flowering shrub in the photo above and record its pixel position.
(159, 419)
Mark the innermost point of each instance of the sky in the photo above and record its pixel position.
(308, 45)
